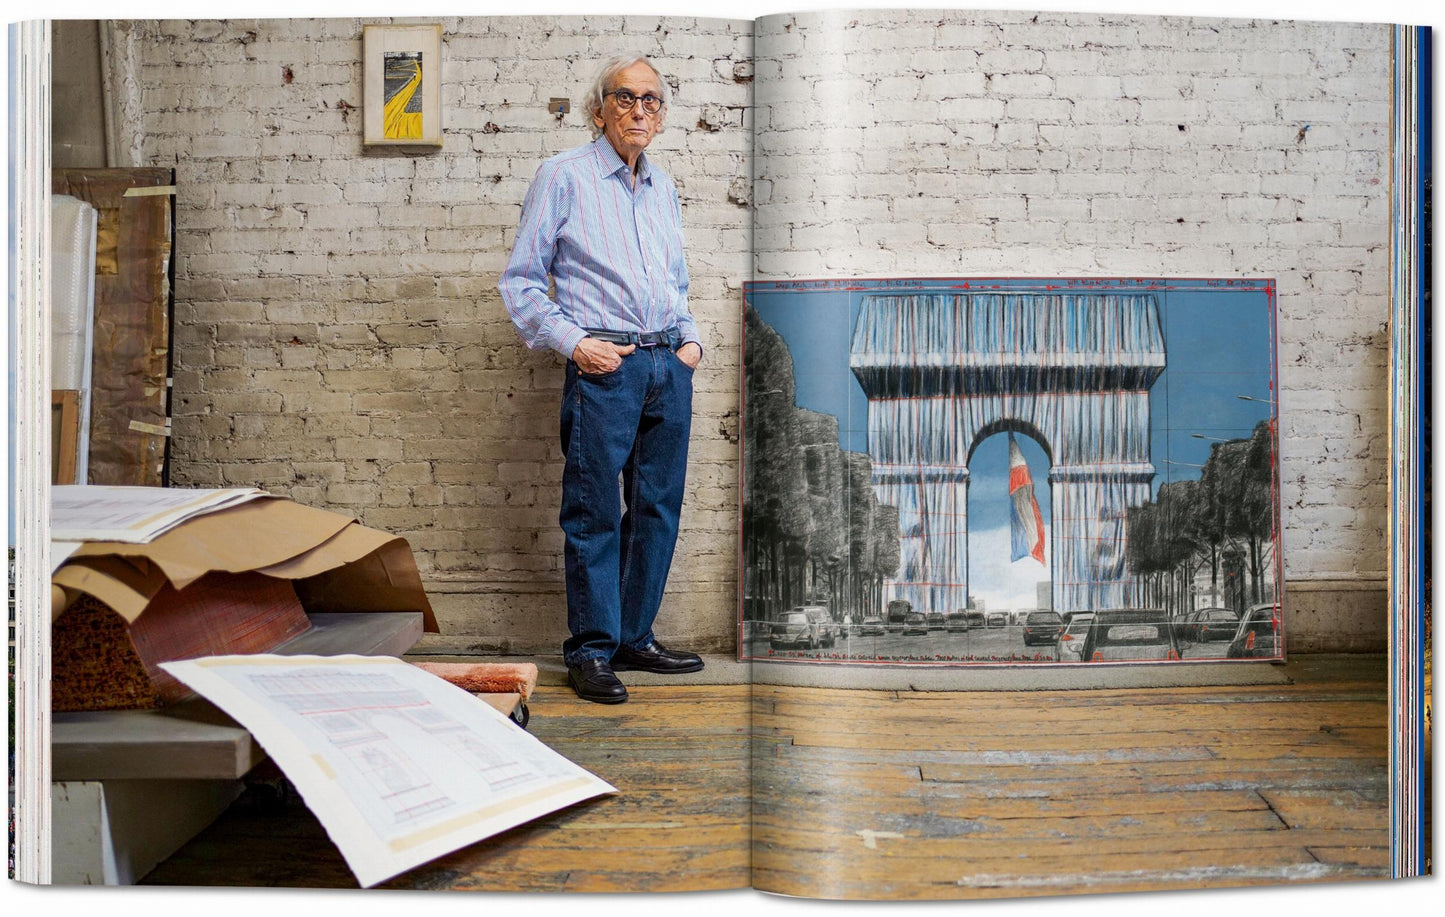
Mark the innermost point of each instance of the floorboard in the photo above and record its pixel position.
(922, 795)
(914, 795)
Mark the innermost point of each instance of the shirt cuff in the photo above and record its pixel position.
(568, 341)
(687, 329)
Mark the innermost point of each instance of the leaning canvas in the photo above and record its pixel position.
(1148, 415)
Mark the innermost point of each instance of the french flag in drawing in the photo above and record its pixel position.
(1028, 522)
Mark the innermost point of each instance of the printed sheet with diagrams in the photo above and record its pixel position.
(130, 515)
(398, 765)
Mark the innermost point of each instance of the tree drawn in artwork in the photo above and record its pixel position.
(813, 530)
(1227, 514)
(1248, 498)
(1162, 542)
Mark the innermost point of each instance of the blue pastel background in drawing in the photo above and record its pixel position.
(1218, 346)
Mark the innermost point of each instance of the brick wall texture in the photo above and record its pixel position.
(1013, 144)
(339, 337)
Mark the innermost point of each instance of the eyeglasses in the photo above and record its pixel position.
(626, 98)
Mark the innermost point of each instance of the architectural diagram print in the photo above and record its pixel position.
(1010, 471)
(399, 766)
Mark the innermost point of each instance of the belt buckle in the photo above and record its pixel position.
(645, 340)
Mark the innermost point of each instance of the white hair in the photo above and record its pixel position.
(606, 74)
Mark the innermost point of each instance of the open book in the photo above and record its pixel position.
(1044, 504)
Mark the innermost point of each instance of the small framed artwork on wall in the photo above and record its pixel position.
(401, 75)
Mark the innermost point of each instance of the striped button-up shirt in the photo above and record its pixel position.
(614, 251)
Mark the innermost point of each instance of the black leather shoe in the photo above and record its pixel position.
(654, 657)
(593, 680)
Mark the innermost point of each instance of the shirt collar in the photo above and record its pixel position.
(611, 164)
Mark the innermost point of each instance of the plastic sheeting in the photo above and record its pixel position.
(72, 307)
(942, 372)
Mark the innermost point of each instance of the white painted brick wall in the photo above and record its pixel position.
(1009, 144)
(340, 338)
(339, 335)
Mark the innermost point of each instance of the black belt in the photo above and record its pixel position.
(670, 338)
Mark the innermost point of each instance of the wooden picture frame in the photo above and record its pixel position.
(64, 435)
(401, 79)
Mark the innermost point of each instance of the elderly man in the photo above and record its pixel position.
(604, 222)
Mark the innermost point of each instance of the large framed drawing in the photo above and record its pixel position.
(128, 437)
(1017, 471)
(64, 435)
(401, 72)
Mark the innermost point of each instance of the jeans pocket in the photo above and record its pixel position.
(597, 377)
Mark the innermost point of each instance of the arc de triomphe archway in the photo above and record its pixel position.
(943, 371)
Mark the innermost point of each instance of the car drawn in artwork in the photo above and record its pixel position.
(1130, 635)
(806, 626)
(1182, 624)
(998, 619)
(1042, 627)
(872, 626)
(957, 622)
(1210, 624)
(937, 620)
(898, 611)
(915, 623)
(1258, 635)
(1071, 639)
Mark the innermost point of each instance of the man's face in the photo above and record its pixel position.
(630, 131)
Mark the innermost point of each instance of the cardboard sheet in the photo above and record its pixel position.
(258, 534)
(336, 564)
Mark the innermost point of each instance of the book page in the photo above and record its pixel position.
(1052, 372)
(394, 386)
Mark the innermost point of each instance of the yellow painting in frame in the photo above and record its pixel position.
(401, 74)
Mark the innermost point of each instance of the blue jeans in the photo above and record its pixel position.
(634, 423)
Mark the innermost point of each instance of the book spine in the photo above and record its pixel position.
(1409, 573)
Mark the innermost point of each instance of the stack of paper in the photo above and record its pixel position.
(132, 515)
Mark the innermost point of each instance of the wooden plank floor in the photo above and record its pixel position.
(677, 755)
(914, 795)
(888, 794)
